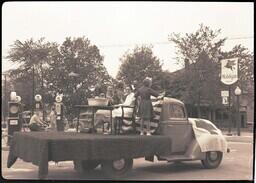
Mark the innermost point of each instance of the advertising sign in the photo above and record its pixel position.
(13, 122)
(224, 93)
(229, 71)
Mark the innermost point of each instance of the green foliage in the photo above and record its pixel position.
(53, 65)
(80, 57)
(138, 64)
(198, 82)
(191, 45)
(29, 54)
(201, 81)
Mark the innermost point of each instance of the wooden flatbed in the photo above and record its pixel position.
(42, 147)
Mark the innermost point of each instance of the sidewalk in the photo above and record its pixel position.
(245, 136)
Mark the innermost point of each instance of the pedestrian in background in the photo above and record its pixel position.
(36, 123)
(119, 93)
(53, 117)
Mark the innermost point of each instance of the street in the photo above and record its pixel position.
(236, 165)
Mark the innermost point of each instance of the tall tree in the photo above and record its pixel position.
(29, 54)
(75, 68)
(191, 45)
(71, 68)
(201, 50)
(138, 64)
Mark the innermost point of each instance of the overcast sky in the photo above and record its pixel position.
(116, 27)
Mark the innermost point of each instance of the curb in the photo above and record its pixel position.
(248, 139)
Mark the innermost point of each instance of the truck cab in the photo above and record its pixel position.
(174, 123)
(192, 138)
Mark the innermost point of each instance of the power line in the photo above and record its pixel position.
(248, 37)
(162, 43)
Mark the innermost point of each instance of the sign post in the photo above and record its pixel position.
(229, 75)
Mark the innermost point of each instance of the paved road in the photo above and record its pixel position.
(236, 165)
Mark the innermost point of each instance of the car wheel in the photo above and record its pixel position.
(116, 168)
(85, 165)
(212, 160)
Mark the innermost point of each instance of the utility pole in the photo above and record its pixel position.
(229, 107)
(42, 88)
(199, 95)
(5, 98)
(33, 89)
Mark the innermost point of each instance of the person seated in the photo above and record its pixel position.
(129, 101)
(35, 123)
(103, 116)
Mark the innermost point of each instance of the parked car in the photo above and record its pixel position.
(84, 120)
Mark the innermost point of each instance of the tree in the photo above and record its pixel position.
(202, 50)
(198, 84)
(29, 54)
(53, 64)
(6, 90)
(77, 56)
(191, 45)
(138, 64)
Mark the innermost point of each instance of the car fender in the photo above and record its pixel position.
(194, 151)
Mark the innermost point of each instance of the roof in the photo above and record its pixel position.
(168, 100)
(176, 74)
(172, 100)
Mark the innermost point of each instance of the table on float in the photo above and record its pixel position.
(94, 108)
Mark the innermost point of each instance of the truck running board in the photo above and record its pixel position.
(176, 158)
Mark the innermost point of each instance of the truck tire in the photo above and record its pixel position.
(115, 169)
(83, 166)
(212, 159)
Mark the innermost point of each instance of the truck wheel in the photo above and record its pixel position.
(85, 165)
(212, 160)
(116, 168)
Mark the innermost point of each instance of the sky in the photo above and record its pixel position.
(116, 27)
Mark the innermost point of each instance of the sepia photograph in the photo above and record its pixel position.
(127, 91)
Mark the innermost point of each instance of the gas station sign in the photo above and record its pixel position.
(229, 71)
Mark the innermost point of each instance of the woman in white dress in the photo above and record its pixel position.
(102, 116)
